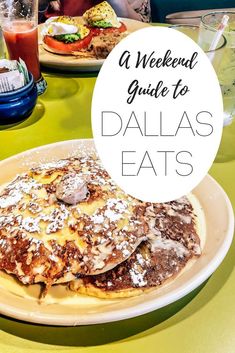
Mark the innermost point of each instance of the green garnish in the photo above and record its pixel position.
(102, 24)
(68, 38)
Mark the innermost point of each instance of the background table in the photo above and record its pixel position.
(203, 321)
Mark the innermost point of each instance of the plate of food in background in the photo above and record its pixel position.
(83, 43)
(76, 250)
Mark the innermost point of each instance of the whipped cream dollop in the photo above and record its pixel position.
(72, 189)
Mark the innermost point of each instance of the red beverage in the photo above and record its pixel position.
(22, 42)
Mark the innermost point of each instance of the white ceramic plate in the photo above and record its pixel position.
(65, 308)
(71, 63)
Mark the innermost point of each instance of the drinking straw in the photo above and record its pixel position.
(217, 36)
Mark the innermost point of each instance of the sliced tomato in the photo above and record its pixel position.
(68, 47)
(97, 30)
(94, 30)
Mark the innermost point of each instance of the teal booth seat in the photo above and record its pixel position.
(161, 8)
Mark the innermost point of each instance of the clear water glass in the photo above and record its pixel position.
(226, 74)
(216, 55)
(222, 64)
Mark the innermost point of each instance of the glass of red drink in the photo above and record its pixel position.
(19, 21)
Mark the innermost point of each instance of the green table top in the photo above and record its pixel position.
(203, 321)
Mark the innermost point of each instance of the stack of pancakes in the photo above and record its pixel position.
(68, 222)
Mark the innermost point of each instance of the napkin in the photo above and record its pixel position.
(13, 75)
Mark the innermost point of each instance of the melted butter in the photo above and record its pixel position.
(91, 208)
(47, 210)
(61, 236)
(40, 194)
(43, 179)
(80, 244)
(122, 223)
